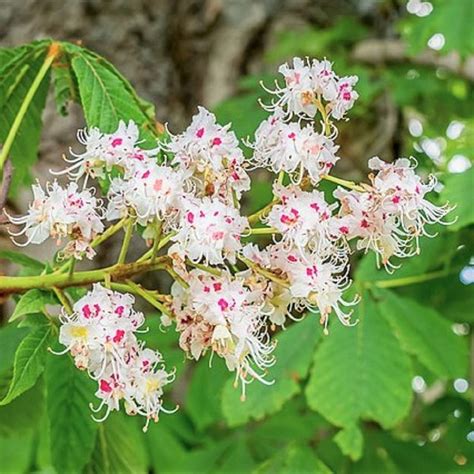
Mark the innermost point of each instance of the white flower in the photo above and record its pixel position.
(298, 96)
(100, 335)
(105, 150)
(362, 217)
(221, 314)
(324, 79)
(153, 193)
(303, 218)
(346, 96)
(208, 230)
(390, 216)
(294, 149)
(209, 155)
(62, 213)
(314, 282)
(403, 194)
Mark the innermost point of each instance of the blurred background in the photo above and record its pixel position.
(415, 62)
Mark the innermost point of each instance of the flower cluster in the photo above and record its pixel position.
(182, 197)
(390, 214)
(306, 83)
(223, 315)
(100, 335)
(293, 148)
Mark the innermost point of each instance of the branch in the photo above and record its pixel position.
(4, 188)
(118, 272)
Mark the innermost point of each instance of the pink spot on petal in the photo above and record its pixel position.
(223, 304)
(119, 335)
(105, 386)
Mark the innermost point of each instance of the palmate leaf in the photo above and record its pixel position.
(361, 372)
(106, 97)
(293, 355)
(72, 430)
(15, 81)
(29, 360)
(426, 334)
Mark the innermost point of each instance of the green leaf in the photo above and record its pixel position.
(10, 338)
(361, 372)
(21, 259)
(458, 189)
(295, 421)
(351, 441)
(24, 413)
(33, 301)
(15, 81)
(165, 450)
(293, 357)
(119, 447)
(65, 86)
(29, 361)
(16, 453)
(72, 430)
(425, 334)
(293, 459)
(205, 389)
(106, 98)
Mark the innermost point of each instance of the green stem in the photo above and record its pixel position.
(397, 282)
(156, 241)
(126, 242)
(281, 177)
(254, 218)
(266, 273)
(63, 299)
(147, 296)
(345, 183)
(262, 231)
(53, 51)
(20, 284)
(204, 268)
(177, 277)
(112, 230)
(162, 243)
(71, 267)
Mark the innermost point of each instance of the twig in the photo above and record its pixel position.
(4, 188)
